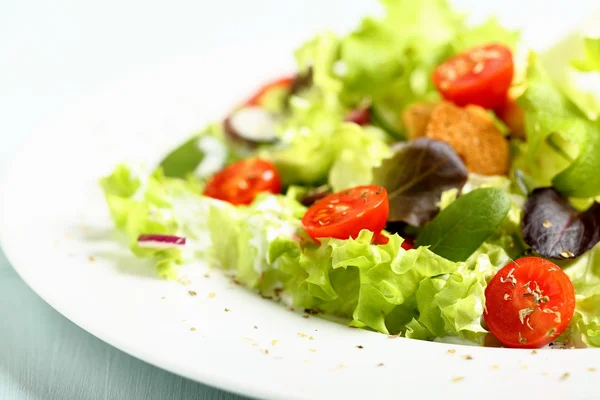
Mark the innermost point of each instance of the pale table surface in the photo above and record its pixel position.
(51, 52)
(45, 356)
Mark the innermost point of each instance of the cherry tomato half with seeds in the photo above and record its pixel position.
(529, 303)
(240, 182)
(281, 83)
(479, 76)
(344, 214)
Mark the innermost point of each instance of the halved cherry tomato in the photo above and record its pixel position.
(407, 244)
(529, 302)
(380, 239)
(344, 214)
(360, 116)
(239, 183)
(479, 76)
(513, 115)
(281, 83)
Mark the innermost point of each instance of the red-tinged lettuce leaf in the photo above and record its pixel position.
(416, 176)
(556, 229)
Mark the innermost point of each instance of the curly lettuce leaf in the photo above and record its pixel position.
(347, 169)
(584, 273)
(591, 57)
(269, 227)
(453, 304)
(140, 203)
(487, 32)
(243, 239)
(581, 79)
(304, 155)
(404, 47)
(547, 111)
(322, 148)
(434, 22)
(374, 286)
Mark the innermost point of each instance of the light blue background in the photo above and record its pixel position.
(44, 356)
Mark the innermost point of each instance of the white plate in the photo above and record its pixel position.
(57, 234)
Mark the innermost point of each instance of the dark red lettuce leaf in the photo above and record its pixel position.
(555, 229)
(416, 176)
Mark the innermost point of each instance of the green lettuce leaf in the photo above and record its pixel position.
(242, 239)
(142, 203)
(591, 57)
(320, 55)
(391, 290)
(462, 227)
(584, 273)
(379, 287)
(304, 155)
(491, 31)
(404, 47)
(347, 169)
(507, 241)
(432, 21)
(581, 80)
(269, 228)
(373, 286)
(547, 111)
(581, 178)
(454, 304)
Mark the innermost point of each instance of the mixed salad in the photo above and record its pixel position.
(419, 177)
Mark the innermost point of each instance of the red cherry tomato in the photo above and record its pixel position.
(239, 183)
(344, 214)
(529, 302)
(479, 76)
(513, 115)
(380, 239)
(282, 83)
(360, 116)
(407, 244)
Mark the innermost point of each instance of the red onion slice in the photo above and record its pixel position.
(161, 241)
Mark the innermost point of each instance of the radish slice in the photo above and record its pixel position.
(251, 124)
(161, 241)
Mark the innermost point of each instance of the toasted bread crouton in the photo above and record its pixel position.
(415, 118)
(473, 135)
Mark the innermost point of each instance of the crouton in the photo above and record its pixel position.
(473, 135)
(415, 118)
